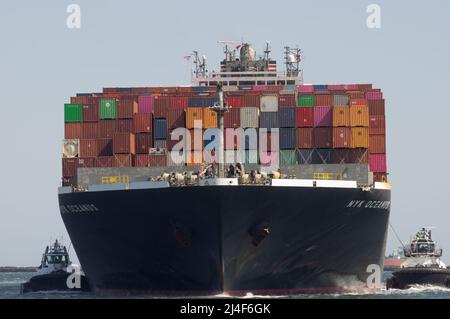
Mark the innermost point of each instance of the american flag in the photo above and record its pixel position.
(272, 66)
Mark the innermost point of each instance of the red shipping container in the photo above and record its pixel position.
(107, 128)
(377, 124)
(89, 130)
(125, 126)
(85, 162)
(68, 181)
(350, 156)
(69, 167)
(357, 95)
(88, 148)
(176, 118)
(143, 123)
(358, 155)
(104, 161)
(355, 102)
(126, 108)
(162, 104)
(324, 100)
(377, 144)
(235, 101)
(342, 137)
(90, 112)
(144, 141)
(287, 100)
(305, 116)
(377, 163)
(72, 130)
(252, 100)
(142, 160)
(104, 147)
(307, 88)
(124, 143)
(79, 100)
(179, 102)
(158, 160)
(122, 160)
(376, 107)
(232, 118)
(323, 137)
(305, 137)
(336, 87)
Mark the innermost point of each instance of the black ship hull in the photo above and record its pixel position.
(407, 277)
(233, 239)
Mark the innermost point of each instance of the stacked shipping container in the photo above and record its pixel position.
(317, 124)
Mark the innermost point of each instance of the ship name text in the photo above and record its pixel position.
(379, 204)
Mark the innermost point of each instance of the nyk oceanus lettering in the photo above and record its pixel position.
(80, 208)
(379, 204)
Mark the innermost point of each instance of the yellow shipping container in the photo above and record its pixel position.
(360, 137)
(359, 115)
(193, 114)
(341, 116)
(209, 118)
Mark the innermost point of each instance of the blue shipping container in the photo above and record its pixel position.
(322, 156)
(286, 117)
(288, 139)
(160, 129)
(305, 156)
(320, 87)
(268, 120)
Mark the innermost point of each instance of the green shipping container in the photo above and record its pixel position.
(108, 109)
(306, 100)
(251, 157)
(73, 113)
(287, 157)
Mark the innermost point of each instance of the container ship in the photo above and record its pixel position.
(156, 204)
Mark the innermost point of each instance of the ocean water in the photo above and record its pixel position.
(10, 289)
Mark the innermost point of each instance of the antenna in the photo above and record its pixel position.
(267, 51)
(292, 57)
(200, 65)
(229, 54)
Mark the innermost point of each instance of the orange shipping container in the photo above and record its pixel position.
(194, 158)
(341, 116)
(359, 115)
(196, 135)
(209, 118)
(193, 114)
(360, 137)
(324, 100)
(377, 144)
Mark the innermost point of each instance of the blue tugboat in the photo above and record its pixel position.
(422, 265)
(53, 273)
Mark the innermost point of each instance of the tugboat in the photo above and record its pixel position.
(53, 273)
(422, 265)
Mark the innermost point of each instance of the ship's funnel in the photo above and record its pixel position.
(247, 53)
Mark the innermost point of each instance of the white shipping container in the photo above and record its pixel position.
(269, 103)
(250, 117)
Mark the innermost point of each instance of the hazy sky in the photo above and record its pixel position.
(142, 43)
